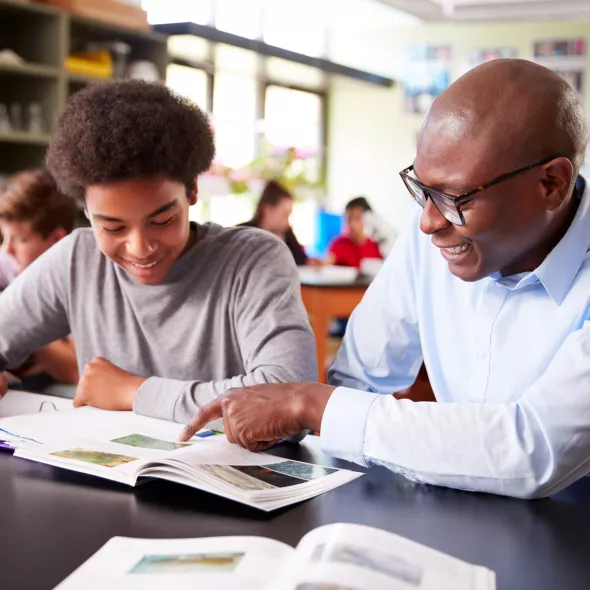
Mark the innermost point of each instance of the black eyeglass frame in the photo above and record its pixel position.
(459, 200)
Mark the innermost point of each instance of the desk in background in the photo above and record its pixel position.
(325, 300)
(53, 520)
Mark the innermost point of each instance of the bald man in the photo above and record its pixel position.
(490, 287)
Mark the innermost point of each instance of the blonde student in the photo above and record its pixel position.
(166, 314)
(34, 216)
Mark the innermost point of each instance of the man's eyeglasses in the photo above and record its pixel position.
(450, 205)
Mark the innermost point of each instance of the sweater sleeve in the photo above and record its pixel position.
(272, 331)
(34, 308)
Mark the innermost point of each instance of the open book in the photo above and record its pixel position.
(125, 447)
(334, 557)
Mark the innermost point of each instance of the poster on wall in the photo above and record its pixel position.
(428, 74)
(478, 56)
(567, 57)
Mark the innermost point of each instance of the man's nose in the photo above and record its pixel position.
(432, 220)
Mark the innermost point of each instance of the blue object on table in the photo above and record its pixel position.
(328, 226)
(207, 433)
(12, 434)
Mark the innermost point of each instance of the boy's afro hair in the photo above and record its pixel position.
(128, 129)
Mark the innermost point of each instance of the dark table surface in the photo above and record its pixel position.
(52, 520)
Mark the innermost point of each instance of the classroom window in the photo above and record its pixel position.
(293, 119)
(250, 117)
(234, 119)
(190, 83)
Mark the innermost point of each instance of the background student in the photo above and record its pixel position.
(353, 246)
(377, 228)
(273, 213)
(34, 216)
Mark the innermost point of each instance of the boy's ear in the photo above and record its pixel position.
(57, 234)
(193, 196)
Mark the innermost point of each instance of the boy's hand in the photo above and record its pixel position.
(103, 385)
(3, 385)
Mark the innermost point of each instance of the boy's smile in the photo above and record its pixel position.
(142, 224)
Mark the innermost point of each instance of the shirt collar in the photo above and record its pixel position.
(558, 271)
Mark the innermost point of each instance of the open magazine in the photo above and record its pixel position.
(125, 447)
(334, 557)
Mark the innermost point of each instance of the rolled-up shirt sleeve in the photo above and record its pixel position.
(531, 448)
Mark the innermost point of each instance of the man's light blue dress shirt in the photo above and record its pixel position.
(508, 359)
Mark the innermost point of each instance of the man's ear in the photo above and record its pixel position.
(557, 182)
(194, 194)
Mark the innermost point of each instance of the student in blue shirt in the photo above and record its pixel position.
(490, 287)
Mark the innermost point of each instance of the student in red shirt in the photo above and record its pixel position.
(353, 246)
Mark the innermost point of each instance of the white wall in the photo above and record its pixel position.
(369, 141)
(367, 147)
(370, 138)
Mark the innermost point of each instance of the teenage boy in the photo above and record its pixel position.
(166, 314)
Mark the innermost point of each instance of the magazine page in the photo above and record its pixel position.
(223, 563)
(355, 557)
(122, 446)
(16, 403)
(256, 479)
(53, 427)
(118, 447)
(113, 445)
(118, 459)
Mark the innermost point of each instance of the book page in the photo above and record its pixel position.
(116, 445)
(16, 403)
(86, 422)
(223, 563)
(258, 479)
(355, 557)
(122, 446)
(113, 445)
(118, 460)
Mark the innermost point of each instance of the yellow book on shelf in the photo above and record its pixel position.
(96, 63)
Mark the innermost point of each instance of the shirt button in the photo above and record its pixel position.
(483, 354)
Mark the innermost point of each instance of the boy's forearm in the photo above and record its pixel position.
(58, 360)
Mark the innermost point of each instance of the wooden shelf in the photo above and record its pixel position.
(30, 69)
(25, 138)
(30, 7)
(44, 36)
(113, 29)
(85, 79)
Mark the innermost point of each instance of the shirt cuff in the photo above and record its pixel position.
(344, 423)
(157, 398)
